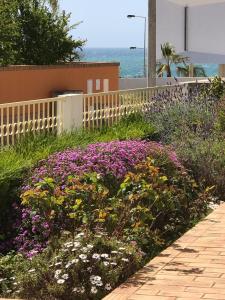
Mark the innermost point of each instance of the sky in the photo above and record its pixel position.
(104, 22)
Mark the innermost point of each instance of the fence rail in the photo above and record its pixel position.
(107, 108)
(88, 111)
(19, 118)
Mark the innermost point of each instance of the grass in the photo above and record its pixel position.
(17, 159)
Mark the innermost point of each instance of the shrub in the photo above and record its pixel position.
(194, 109)
(111, 160)
(99, 200)
(194, 124)
(86, 267)
(64, 193)
(206, 159)
(180, 118)
(16, 161)
(154, 203)
(214, 90)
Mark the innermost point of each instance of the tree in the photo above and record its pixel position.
(31, 33)
(54, 4)
(198, 71)
(9, 32)
(170, 57)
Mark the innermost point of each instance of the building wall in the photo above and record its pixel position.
(170, 25)
(205, 26)
(19, 83)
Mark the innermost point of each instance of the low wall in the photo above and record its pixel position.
(136, 83)
(20, 83)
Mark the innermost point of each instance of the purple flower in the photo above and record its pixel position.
(111, 160)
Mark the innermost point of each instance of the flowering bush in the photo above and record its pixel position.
(88, 216)
(111, 160)
(152, 206)
(62, 199)
(86, 267)
(152, 193)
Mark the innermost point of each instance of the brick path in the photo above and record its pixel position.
(191, 268)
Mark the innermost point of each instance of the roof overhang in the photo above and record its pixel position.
(196, 2)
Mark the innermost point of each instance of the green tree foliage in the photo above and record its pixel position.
(170, 57)
(198, 71)
(9, 32)
(54, 4)
(33, 33)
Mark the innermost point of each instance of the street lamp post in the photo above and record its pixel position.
(151, 43)
(145, 31)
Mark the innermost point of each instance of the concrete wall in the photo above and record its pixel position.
(205, 27)
(170, 25)
(136, 83)
(19, 83)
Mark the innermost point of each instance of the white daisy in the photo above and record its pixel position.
(104, 255)
(108, 287)
(83, 256)
(60, 281)
(94, 290)
(125, 259)
(65, 276)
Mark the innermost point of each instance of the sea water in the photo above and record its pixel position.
(131, 61)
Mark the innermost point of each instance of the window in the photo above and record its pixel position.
(90, 86)
(98, 84)
(106, 85)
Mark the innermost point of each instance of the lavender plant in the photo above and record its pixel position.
(185, 110)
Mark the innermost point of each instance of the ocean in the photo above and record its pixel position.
(131, 61)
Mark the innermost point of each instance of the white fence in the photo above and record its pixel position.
(77, 111)
(19, 118)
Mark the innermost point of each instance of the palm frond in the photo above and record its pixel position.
(182, 71)
(163, 68)
(199, 71)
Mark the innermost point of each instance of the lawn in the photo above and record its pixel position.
(83, 211)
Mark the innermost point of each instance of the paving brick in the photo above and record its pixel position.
(144, 297)
(176, 293)
(214, 296)
(184, 298)
(205, 290)
(191, 268)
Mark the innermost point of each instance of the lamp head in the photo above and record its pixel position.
(130, 16)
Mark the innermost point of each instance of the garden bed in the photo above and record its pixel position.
(89, 218)
(87, 210)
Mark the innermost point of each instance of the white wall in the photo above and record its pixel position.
(170, 25)
(206, 25)
(206, 28)
(138, 83)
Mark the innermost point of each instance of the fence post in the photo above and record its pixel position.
(70, 112)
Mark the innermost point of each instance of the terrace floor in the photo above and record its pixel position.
(191, 268)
